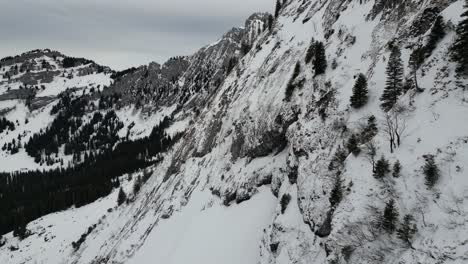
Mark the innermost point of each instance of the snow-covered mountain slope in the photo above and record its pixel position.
(46, 73)
(252, 177)
(30, 84)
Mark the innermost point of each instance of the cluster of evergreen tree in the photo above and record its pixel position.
(68, 121)
(245, 48)
(407, 229)
(232, 62)
(385, 4)
(382, 168)
(459, 49)
(25, 196)
(119, 74)
(100, 133)
(76, 244)
(353, 145)
(21, 232)
(204, 78)
(370, 130)
(389, 222)
(109, 101)
(316, 55)
(70, 62)
(121, 197)
(67, 129)
(420, 53)
(436, 35)
(5, 124)
(13, 146)
(338, 159)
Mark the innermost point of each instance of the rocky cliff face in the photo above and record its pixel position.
(253, 178)
(189, 80)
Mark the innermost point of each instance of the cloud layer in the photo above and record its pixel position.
(120, 33)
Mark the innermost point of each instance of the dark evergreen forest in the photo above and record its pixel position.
(99, 158)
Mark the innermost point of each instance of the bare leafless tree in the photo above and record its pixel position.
(421, 205)
(395, 125)
(370, 151)
(389, 129)
(399, 112)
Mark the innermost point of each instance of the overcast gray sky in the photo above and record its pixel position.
(120, 33)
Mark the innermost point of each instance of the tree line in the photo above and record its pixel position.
(25, 196)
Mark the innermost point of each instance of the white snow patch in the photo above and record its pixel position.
(210, 235)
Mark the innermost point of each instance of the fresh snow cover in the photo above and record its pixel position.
(178, 127)
(205, 231)
(37, 120)
(68, 79)
(59, 84)
(453, 12)
(180, 217)
(20, 161)
(57, 231)
(142, 123)
(8, 104)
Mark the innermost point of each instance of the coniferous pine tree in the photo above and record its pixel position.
(320, 59)
(137, 185)
(459, 49)
(245, 48)
(291, 85)
(408, 229)
(416, 60)
(21, 231)
(381, 168)
(271, 20)
(436, 35)
(359, 97)
(310, 52)
(122, 197)
(390, 217)
(420, 53)
(371, 129)
(396, 169)
(277, 8)
(394, 84)
(431, 172)
(338, 158)
(337, 192)
(285, 199)
(353, 145)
